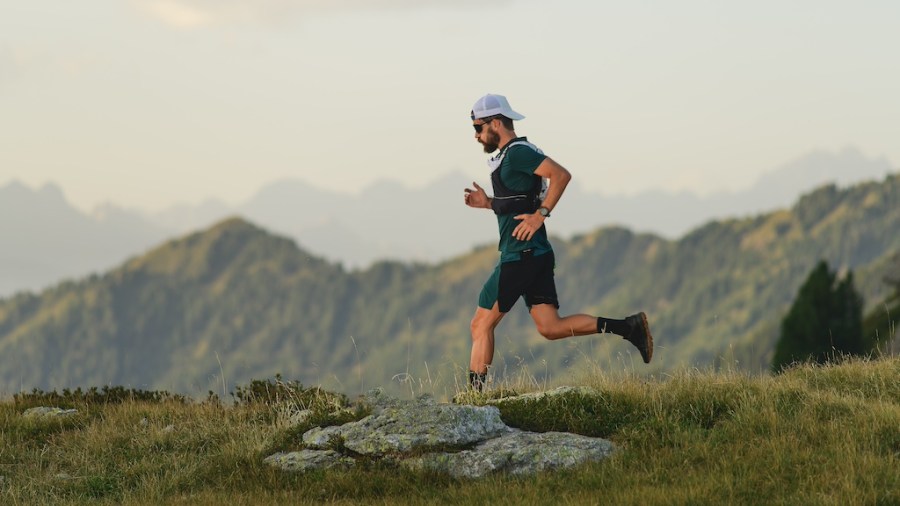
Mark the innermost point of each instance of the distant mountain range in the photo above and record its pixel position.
(235, 302)
(47, 240)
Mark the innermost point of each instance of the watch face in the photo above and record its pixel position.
(544, 211)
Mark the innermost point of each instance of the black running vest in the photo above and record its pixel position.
(507, 201)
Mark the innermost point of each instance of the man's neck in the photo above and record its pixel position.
(505, 137)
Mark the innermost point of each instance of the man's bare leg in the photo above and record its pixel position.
(552, 326)
(634, 328)
(483, 324)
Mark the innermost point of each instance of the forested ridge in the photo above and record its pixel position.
(237, 301)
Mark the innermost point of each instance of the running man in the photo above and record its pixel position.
(523, 200)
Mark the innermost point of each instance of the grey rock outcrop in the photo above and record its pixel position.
(463, 441)
(517, 453)
(47, 412)
(298, 417)
(398, 427)
(306, 460)
(540, 396)
(293, 417)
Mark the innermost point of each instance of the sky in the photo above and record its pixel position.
(146, 103)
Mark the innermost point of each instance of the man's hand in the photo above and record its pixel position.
(529, 224)
(477, 197)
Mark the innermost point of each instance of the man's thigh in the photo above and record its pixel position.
(504, 287)
(541, 289)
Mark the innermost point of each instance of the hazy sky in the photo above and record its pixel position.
(149, 102)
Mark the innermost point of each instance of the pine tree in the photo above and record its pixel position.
(825, 321)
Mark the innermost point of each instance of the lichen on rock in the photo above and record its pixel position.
(305, 460)
(517, 453)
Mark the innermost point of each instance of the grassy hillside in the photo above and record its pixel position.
(233, 302)
(815, 435)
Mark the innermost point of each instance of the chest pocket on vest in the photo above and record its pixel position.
(507, 201)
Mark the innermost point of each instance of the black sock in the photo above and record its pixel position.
(619, 327)
(477, 381)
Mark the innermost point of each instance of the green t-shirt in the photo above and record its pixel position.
(517, 173)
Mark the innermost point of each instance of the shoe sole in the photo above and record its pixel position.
(649, 343)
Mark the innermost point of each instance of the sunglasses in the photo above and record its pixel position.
(480, 126)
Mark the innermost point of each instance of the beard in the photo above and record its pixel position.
(492, 142)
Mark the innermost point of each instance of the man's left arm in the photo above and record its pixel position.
(559, 178)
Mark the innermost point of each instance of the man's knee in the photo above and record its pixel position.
(547, 321)
(476, 327)
(548, 331)
(486, 320)
(482, 323)
(550, 328)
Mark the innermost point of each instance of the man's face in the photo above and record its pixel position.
(488, 137)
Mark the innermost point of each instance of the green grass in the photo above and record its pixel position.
(814, 435)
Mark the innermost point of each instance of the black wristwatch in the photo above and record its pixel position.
(543, 211)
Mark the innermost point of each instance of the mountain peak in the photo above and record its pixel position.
(14, 185)
(819, 167)
(234, 224)
(230, 245)
(52, 191)
(236, 230)
(19, 196)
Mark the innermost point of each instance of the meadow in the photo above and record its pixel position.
(813, 435)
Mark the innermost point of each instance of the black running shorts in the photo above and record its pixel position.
(530, 276)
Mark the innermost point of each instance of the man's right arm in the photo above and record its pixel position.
(477, 198)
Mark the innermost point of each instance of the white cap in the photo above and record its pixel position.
(493, 105)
